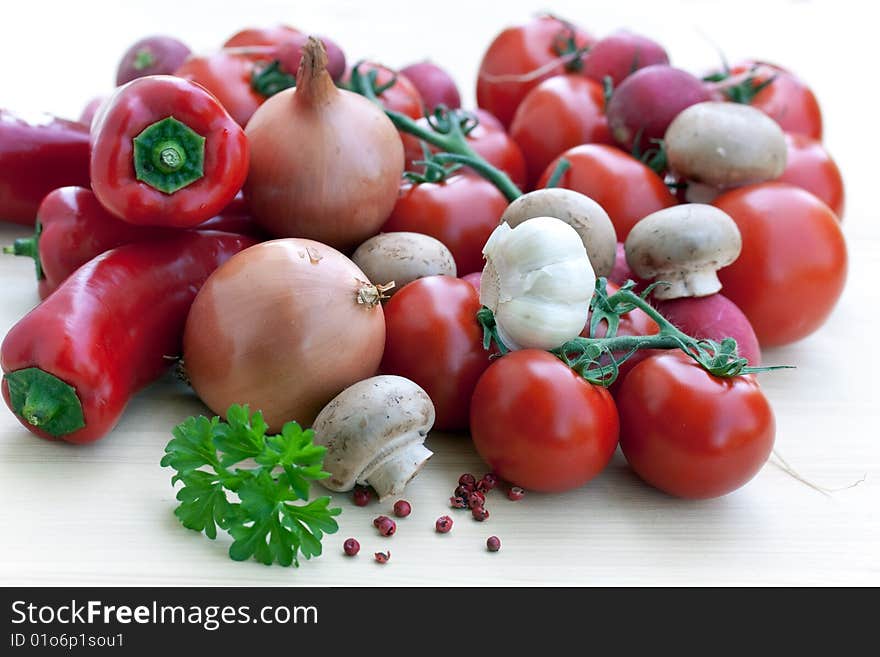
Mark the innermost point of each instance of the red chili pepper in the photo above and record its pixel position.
(38, 154)
(71, 364)
(166, 153)
(73, 227)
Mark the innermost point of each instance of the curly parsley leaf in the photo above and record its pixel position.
(264, 521)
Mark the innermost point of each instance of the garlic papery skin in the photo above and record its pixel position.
(538, 283)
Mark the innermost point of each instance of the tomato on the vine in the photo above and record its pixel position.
(488, 139)
(261, 36)
(793, 263)
(520, 58)
(401, 96)
(539, 425)
(627, 189)
(461, 212)
(787, 100)
(433, 338)
(692, 434)
(562, 112)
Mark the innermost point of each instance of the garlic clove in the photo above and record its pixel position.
(538, 281)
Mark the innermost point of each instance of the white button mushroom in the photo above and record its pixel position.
(403, 257)
(580, 212)
(684, 246)
(374, 432)
(538, 282)
(725, 145)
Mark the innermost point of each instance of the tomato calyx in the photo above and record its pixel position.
(268, 80)
(598, 359)
(742, 92)
(434, 170)
(653, 157)
(565, 46)
(447, 129)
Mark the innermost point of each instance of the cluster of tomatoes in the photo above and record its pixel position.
(603, 106)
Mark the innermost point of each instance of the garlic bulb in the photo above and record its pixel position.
(538, 282)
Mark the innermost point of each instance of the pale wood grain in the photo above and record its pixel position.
(102, 514)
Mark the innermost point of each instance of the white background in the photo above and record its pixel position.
(103, 513)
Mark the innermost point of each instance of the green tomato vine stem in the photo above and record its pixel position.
(598, 360)
(446, 130)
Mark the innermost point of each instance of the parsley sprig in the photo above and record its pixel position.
(266, 523)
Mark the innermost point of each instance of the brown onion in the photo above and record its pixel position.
(284, 327)
(325, 162)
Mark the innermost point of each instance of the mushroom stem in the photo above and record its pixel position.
(390, 476)
(682, 283)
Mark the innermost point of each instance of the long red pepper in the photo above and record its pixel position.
(38, 154)
(73, 227)
(71, 364)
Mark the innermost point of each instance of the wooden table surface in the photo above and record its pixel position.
(102, 514)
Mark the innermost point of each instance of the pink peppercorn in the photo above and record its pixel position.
(351, 547)
(515, 493)
(479, 513)
(493, 544)
(386, 526)
(443, 524)
(361, 496)
(476, 499)
(488, 482)
(458, 503)
(467, 479)
(382, 557)
(402, 508)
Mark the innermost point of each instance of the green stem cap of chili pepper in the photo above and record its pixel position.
(30, 247)
(45, 401)
(169, 155)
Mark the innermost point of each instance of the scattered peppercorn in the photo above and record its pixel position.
(515, 493)
(476, 499)
(467, 479)
(488, 482)
(458, 503)
(402, 508)
(351, 547)
(443, 524)
(493, 544)
(361, 496)
(386, 526)
(479, 513)
(382, 557)
(463, 491)
(379, 519)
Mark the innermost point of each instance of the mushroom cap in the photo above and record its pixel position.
(725, 145)
(402, 257)
(579, 211)
(370, 426)
(685, 246)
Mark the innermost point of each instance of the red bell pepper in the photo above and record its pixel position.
(71, 364)
(166, 153)
(37, 155)
(73, 228)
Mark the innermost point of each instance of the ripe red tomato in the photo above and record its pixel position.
(787, 100)
(539, 425)
(520, 58)
(810, 166)
(627, 189)
(488, 139)
(432, 337)
(227, 75)
(261, 36)
(461, 212)
(562, 112)
(793, 263)
(691, 434)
